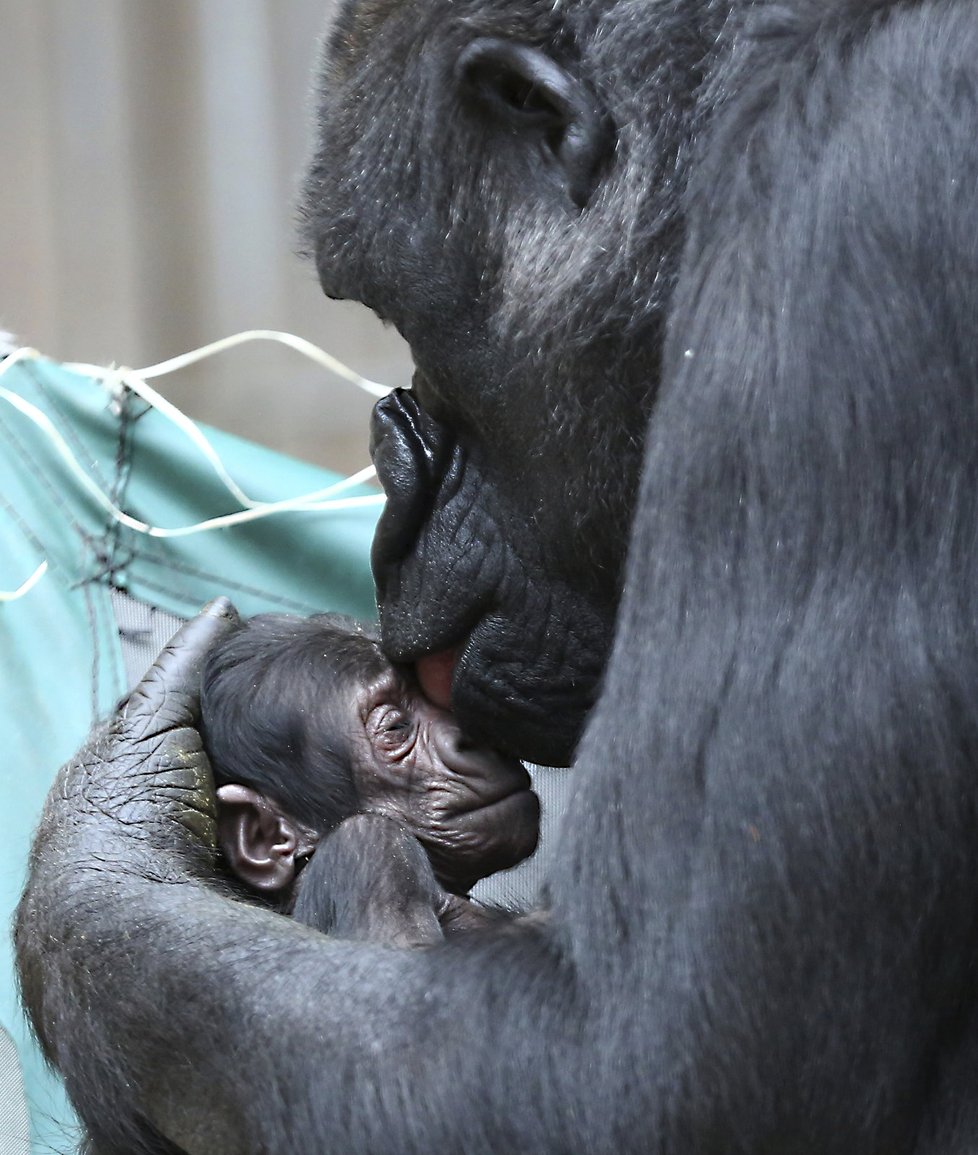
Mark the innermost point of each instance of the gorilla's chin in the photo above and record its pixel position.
(521, 726)
(462, 595)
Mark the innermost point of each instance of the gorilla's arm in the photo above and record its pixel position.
(123, 858)
(372, 881)
(762, 933)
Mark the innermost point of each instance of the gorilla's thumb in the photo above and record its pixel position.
(168, 695)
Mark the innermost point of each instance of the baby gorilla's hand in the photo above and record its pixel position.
(471, 808)
(370, 880)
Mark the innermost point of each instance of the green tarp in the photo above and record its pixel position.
(62, 662)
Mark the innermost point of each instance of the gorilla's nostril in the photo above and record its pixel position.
(410, 453)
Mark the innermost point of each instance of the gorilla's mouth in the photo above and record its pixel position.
(434, 673)
(421, 596)
(464, 597)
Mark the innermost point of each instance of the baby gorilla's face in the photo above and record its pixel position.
(471, 808)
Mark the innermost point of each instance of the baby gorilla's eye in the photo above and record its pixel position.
(395, 719)
(390, 727)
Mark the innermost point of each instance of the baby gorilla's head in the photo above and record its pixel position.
(276, 719)
(306, 723)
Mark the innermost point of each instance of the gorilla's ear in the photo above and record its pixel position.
(263, 846)
(529, 91)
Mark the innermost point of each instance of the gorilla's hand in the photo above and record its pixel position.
(147, 769)
(133, 809)
(142, 779)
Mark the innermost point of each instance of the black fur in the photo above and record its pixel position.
(761, 932)
(371, 881)
(276, 708)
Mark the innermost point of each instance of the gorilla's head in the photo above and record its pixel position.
(520, 224)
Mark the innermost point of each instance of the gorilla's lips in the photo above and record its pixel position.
(435, 672)
(413, 455)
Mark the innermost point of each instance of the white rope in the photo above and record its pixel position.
(25, 587)
(116, 379)
(299, 344)
(24, 353)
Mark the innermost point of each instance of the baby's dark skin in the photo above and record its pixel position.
(344, 795)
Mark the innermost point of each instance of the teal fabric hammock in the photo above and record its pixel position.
(86, 595)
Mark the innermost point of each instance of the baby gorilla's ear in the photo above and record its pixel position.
(262, 845)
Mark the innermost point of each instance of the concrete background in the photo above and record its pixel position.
(151, 150)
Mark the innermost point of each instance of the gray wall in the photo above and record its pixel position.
(150, 154)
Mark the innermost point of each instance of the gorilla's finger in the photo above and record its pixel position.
(168, 695)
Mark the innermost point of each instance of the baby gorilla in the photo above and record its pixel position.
(307, 725)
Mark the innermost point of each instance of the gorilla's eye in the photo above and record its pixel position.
(512, 95)
(390, 727)
(394, 720)
(514, 82)
(536, 96)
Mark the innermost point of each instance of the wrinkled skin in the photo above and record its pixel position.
(470, 808)
(306, 723)
(145, 773)
(760, 931)
(484, 590)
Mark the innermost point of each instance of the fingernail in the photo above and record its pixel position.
(218, 608)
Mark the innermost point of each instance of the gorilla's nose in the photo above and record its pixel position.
(410, 452)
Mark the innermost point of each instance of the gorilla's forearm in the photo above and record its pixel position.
(124, 857)
(371, 881)
(337, 1034)
(126, 836)
(240, 1031)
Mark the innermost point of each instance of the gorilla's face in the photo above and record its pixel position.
(516, 225)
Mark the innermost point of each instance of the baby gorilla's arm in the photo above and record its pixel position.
(371, 880)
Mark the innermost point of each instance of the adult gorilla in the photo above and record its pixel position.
(756, 222)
